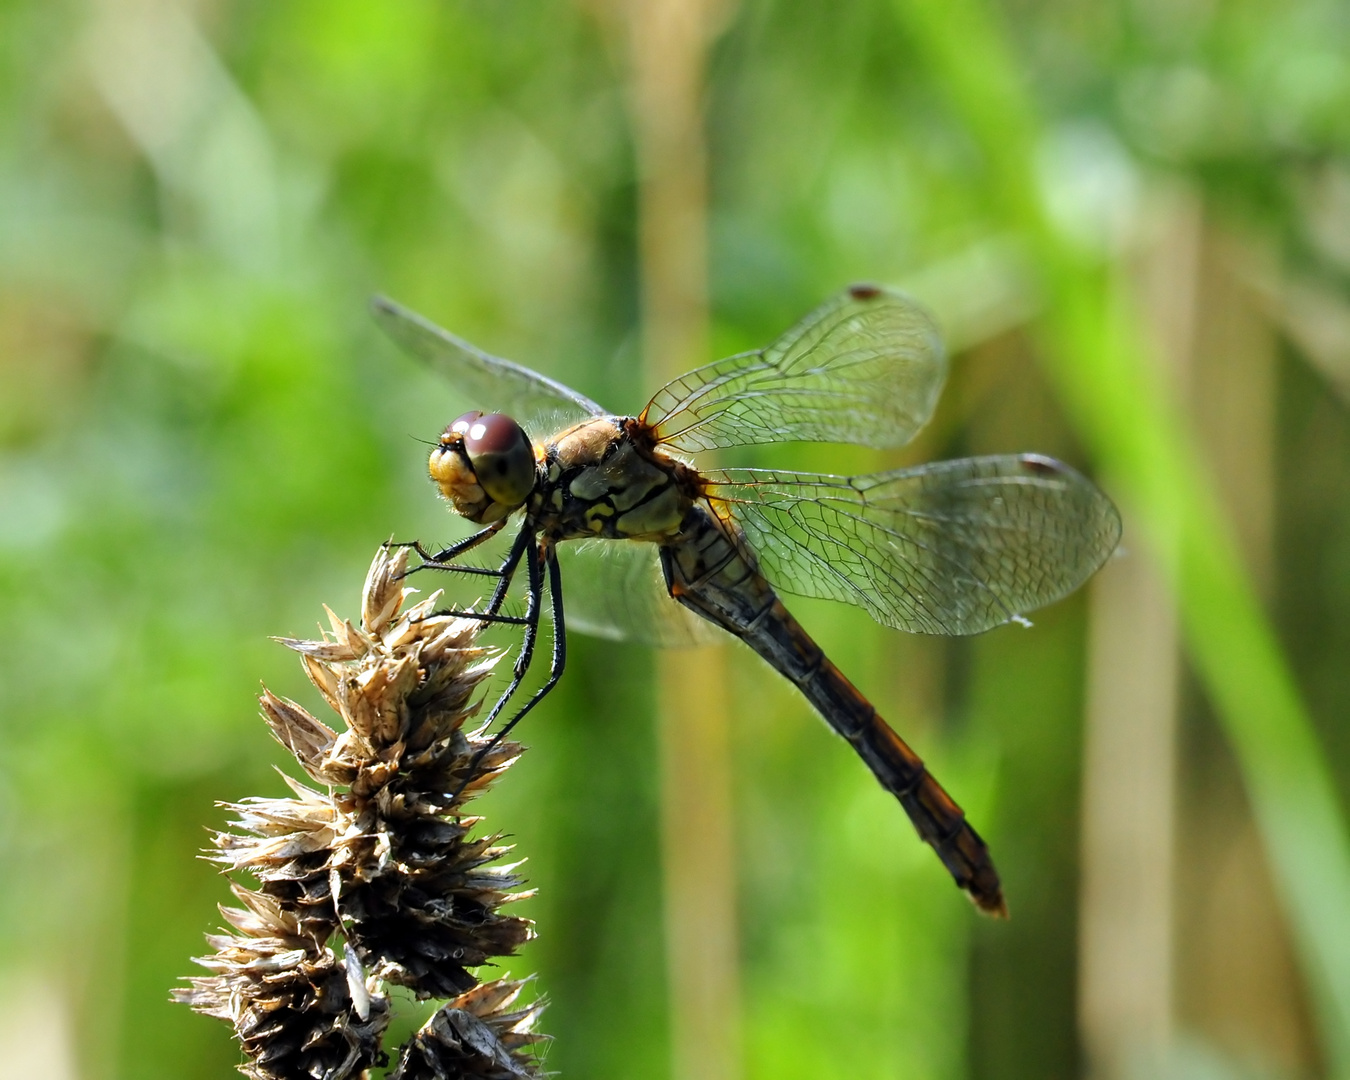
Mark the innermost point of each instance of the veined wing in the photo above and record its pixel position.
(954, 547)
(614, 589)
(866, 367)
(487, 382)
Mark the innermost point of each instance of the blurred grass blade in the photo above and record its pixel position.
(1098, 363)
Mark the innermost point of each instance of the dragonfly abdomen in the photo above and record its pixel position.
(713, 575)
(940, 822)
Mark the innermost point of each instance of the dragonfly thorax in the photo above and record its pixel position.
(485, 465)
(601, 481)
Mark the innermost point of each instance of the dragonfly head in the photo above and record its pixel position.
(484, 464)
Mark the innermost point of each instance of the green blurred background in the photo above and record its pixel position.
(1133, 218)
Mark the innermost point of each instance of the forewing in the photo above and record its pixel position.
(486, 382)
(950, 548)
(866, 367)
(614, 589)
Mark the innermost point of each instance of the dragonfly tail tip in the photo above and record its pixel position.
(994, 906)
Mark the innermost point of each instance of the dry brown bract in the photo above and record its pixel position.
(375, 877)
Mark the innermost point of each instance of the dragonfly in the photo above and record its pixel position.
(670, 554)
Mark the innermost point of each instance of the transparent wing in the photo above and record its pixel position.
(950, 548)
(866, 367)
(485, 381)
(614, 589)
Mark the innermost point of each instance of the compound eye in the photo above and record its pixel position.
(462, 424)
(501, 456)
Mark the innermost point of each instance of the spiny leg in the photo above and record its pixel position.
(504, 573)
(557, 663)
(454, 551)
(522, 665)
(508, 569)
(531, 622)
(559, 659)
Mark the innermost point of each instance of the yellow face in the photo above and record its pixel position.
(485, 466)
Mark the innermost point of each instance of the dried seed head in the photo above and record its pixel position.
(295, 1006)
(479, 1034)
(381, 854)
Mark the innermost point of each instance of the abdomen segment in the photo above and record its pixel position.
(708, 571)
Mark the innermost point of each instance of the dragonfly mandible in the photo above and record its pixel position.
(954, 547)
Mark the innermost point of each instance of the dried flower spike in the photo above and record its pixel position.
(376, 877)
(480, 1034)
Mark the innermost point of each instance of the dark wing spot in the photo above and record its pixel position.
(864, 292)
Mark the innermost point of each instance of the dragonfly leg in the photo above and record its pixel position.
(504, 575)
(454, 551)
(557, 663)
(507, 572)
(454, 568)
(444, 560)
(483, 616)
(526, 655)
